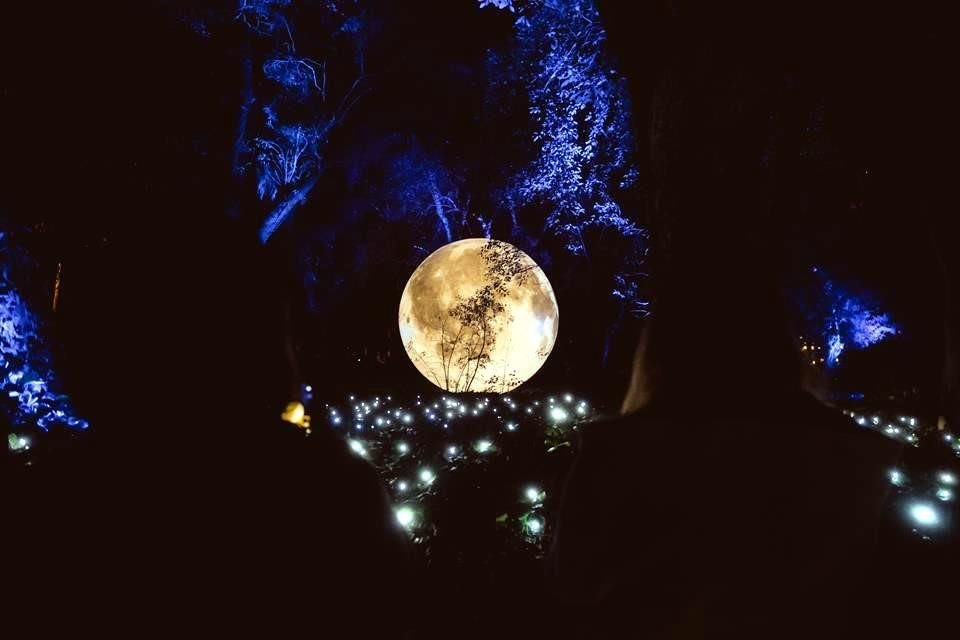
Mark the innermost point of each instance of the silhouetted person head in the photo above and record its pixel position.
(719, 328)
(179, 327)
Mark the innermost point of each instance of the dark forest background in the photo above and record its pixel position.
(122, 126)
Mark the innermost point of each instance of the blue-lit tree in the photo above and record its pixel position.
(842, 319)
(285, 151)
(583, 165)
(26, 375)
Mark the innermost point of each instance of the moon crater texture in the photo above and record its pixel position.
(478, 315)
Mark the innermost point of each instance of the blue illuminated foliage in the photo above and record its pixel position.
(851, 320)
(581, 133)
(285, 153)
(297, 75)
(25, 374)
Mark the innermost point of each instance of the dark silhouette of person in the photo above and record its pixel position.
(191, 507)
(725, 501)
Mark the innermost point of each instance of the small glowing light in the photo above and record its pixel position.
(407, 418)
(558, 414)
(861, 421)
(309, 389)
(357, 447)
(379, 421)
(403, 447)
(581, 410)
(568, 398)
(913, 422)
(483, 446)
(451, 450)
(897, 478)
(511, 426)
(427, 476)
(875, 420)
(402, 486)
(406, 517)
(924, 514)
(948, 437)
(534, 525)
(947, 478)
(944, 494)
(533, 494)
(529, 409)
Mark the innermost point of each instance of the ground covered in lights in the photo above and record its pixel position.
(476, 479)
(467, 472)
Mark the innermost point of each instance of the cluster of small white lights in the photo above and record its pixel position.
(947, 478)
(395, 419)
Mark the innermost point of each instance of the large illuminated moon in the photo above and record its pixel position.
(478, 315)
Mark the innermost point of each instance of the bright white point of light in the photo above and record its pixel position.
(897, 478)
(558, 415)
(568, 398)
(405, 516)
(403, 447)
(463, 409)
(948, 437)
(947, 478)
(427, 476)
(474, 412)
(309, 389)
(581, 410)
(911, 438)
(550, 400)
(449, 415)
(407, 419)
(336, 419)
(351, 398)
(483, 446)
(876, 420)
(511, 426)
(529, 409)
(924, 514)
(402, 486)
(451, 450)
(379, 421)
(357, 447)
(389, 398)
(358, 427)
(913, 422)
(944, 494)
(534, 525)
(861, 421)
(533, 494)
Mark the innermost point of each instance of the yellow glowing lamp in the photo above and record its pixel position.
(295, 413)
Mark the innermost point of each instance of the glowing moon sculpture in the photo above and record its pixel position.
(478, 315)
